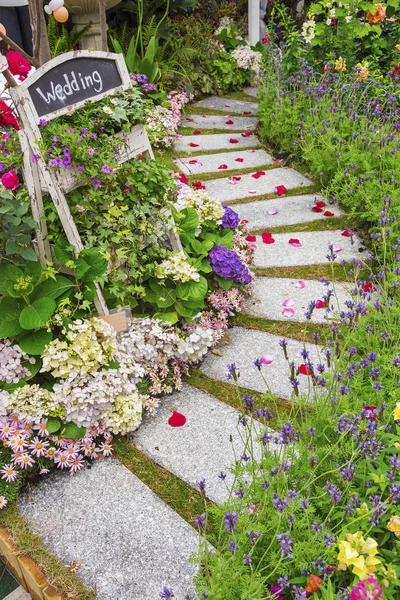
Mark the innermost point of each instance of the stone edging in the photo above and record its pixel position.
(26, 571)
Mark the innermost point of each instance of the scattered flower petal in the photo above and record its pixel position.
(239, 159)
(287, 303)
(233, 141)
(347, 233)
(196, 131)
(189, 119)
(247, 112)
(272, 211)
(229, 122)
(252, 191)
(247, 133)
(251, 238)
(328, 213)
(182, 178)
(267, 359)
(279, 160)
(198, 185)
(317, 209)
(251, 151)
(304, 370)
(320, 204)
(176, 419)
(258, 174)
(300, 284)
(236, 178)
(295, 242)
(222, 167)
(193, 145)
(336, 249)
(280, 190)
(288, 312)
(320, 304)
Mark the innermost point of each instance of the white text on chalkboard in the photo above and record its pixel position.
(73, 83)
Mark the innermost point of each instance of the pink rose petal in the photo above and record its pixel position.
(279, 160)
(212, 105)
(251, 151)
(267, 359)
(300, 284)
(252, 191)
(288, 312)
(337, 249)
(178, 136)
(227, 105)
(273, 211)
(320, 304)
(295, 243)
(287, 303)
(239, 160)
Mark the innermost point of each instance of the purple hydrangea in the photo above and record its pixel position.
(149, 87)
(227, 265)
(139, 77)
(230, 219)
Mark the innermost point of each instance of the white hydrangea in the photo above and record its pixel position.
(247, 58)
(97, 396)
(224, 23)
(308, 30)
(88, 345)
(32, 403)
(11, 367)
(195, 345)
(348, 18)
(4, 400)
(145, 341)
(127, 414)
(206, 207)
(177, 268)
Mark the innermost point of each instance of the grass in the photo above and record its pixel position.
(179, 495)
(230, 394)
(30, 544)
(292, 329)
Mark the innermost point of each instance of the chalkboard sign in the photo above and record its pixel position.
(66, 82)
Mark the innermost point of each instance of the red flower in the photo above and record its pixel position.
(316, 209)
(304, 370)
(369, 287)
(320, 304)
(229, 122)
(10, 180)
(177, 419)
(234, 140)
(328, 213)
(334, 21)
(280, 190)
(7, 116)
(396, 72)
(182, 178)
(370, 412)
(198, 185)
(347, 233)
(18, 65)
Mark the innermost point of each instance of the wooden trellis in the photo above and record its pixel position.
(61, 86)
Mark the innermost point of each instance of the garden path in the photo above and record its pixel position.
(130, 542)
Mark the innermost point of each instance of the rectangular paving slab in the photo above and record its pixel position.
(214, 141)
(313, 250)
(270, 294)
(204, 447)
(248, 344)
(227, 104)
(288, 210)
(225, 191)
(251, 91)
(209, 163)
(220, 122)
(130, 543)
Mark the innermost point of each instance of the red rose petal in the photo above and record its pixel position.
(229, 122)
(247, 134)
(244, 221)
(198, 185)
(369, 287)
(192, 162)
(294, 242)
(316, 209)
(347, 233)
(320, 304)
(196, 131)
(280, 190)
(236, 178)
(188, 119)
(320, 204)
(304, 370)
(268, 240)
(266, 235)
(258, 174)
(176, 419)
(251, 238)
(239, 159)
(223, 167)
(193, 145)
(183, 179)
(247, 112)
(233, 141)
(328, 213)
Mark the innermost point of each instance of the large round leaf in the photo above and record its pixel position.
(53, 288)
(35, 342)
(37, 314)
(10, 309)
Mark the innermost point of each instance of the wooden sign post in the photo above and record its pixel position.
(61, 86)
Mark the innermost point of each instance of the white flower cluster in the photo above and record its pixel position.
(206, 207)
(31, 403)
(332, 14)
(196, 344)
(177, 268)
(224, 23)
(247, 58)
(160, 126)
(89, 345)
(308, 30)
(145, 341)
(106, 397)
(11, 367)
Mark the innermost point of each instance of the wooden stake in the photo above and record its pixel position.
(103, 25)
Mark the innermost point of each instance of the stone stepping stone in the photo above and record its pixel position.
(245, 346)
(313, 250)
(209, 163)
(202, 447)
(270, 293)
(220, 122)
(251, 91)
(130, 543)
(223, 190)
(214, 141)
(18, 594)
(291, 210)
(228, 105)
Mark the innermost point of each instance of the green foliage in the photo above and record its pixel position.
(62, 39)
(16, 225)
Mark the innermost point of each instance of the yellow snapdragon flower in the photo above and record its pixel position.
(394, 525)
(396, 412)
(359, 554)
(340, 64)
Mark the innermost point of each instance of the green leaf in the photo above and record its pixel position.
(183, 311)
(53, 288)
(10, 309)
(198, 289)
(53, 425)
(225, 284)
(170, 317)
(28, 253)
(164, 301)
(72, 431)
(64, 252)
(90, 265)
(35, 342)
(190, 221)
(34, 270)
(11, 247)
(37, 314)
(12, 290)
